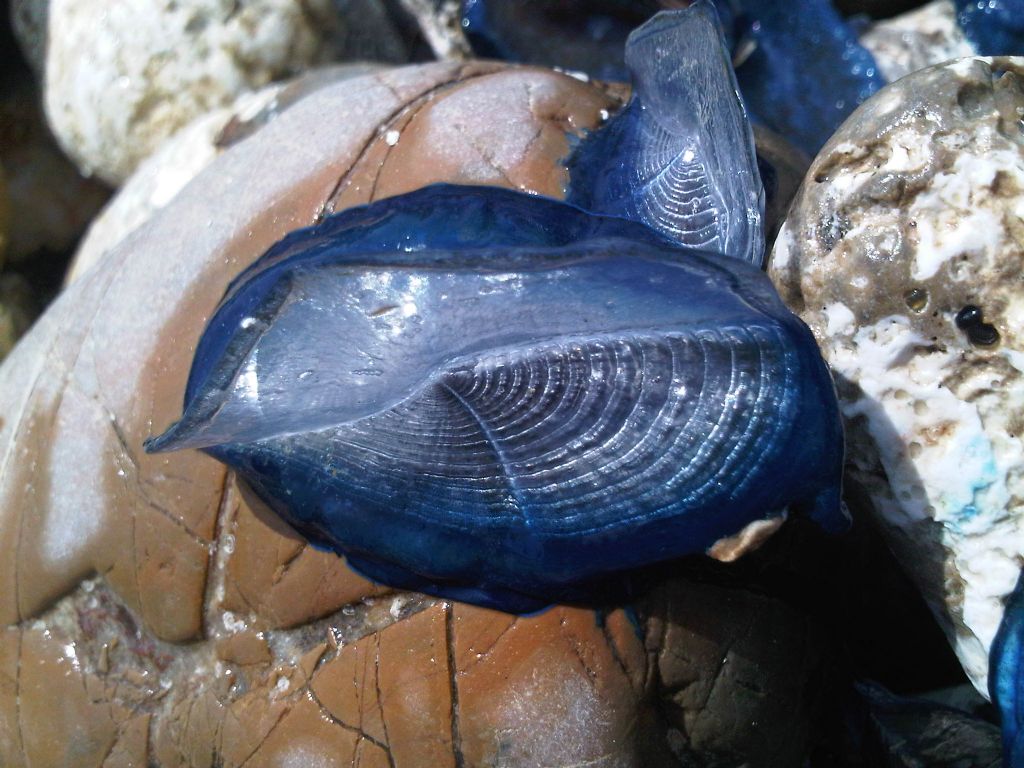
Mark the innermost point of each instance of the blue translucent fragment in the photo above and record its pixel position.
(800, 67)
(504, 399)
(680, 157)
(994, 27)
(1006, 676)
(579, 35)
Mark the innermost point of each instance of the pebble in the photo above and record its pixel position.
(120, 78)
(903, 252)
(917, 39)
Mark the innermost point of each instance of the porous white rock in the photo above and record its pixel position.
(121, 77)
(913, 211)
(917, 39)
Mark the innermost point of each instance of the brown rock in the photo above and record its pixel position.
(52, 689)
(274, 574)
(729, 662)
(161, 615)
(243, 649)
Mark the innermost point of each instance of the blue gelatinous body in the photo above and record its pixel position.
(1006, 676)
(680, 157)
(994, 27)
(800, 67)
(583, 35)
(505, 399)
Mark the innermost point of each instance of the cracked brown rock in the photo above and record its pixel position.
(157, 614)
(181, 157)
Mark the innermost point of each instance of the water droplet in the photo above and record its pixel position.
(916, 298)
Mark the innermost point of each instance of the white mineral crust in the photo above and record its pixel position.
(914, 210)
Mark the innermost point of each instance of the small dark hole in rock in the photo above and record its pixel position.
(916, 298)
(974, 99)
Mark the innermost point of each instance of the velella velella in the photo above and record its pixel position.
(556, 397)
(1006, 670)
(507, 399)
(680, 157)
(800, 67)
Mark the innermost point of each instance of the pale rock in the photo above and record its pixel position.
(440, 23)
(122, 77)
(917, 39)
(160, 177)
(912, 211)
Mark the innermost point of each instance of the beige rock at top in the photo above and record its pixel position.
(121, 77)
(912, 211)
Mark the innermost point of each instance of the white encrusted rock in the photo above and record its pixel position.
(917, 39)
(121, 77)
(910, 215)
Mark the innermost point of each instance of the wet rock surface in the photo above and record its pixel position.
(903, 253)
